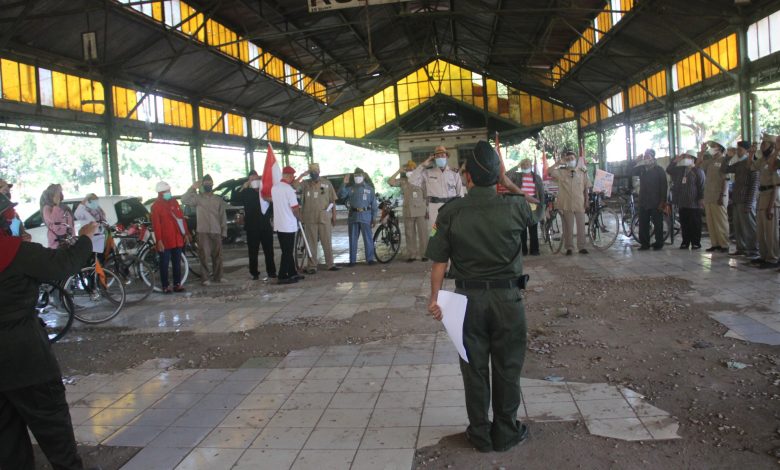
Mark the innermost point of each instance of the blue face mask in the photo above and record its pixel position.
(441, 162)
(93, 205)
(167, 196)
(314, 175)
(16, 225)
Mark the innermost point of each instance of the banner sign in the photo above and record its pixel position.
(325, 5)
(603, 183)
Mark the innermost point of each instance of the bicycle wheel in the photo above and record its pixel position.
(130, 268)
(55, 310)
(193, 260)
(555, 231)
(151, 261)
(603, 228)
(300, 251)
(387, 242)
(97, 296)
(545, 241)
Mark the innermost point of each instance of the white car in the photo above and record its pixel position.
(118, 209)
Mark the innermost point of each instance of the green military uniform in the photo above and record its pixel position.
(318, 199)
(480, 235)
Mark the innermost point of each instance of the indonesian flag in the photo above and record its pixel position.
(545, 168)
(272, 174)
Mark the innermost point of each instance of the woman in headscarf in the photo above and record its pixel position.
(57, 217)
(89, 210)
(170, 231)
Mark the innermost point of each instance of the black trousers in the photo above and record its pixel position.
(534, 231)
(690, 226)
(645, 216)
(44, 409)
(287, 266)
(254, 238)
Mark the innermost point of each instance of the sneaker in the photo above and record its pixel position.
(568, 252)
(522, 436)
(583, 251)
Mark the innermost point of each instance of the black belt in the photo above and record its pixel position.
(521, 282)
(440, 200)
(359, 209)
(767, 188)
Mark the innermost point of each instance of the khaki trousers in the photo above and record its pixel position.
(717, 224)
(416, 236)
(433, 211)
(569, 218)
(767, 229)
(319, 233)
(210, 248)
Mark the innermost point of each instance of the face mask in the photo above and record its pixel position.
(167, 196)
(441, 162)
(358, 180)
(15, 227)
(571, 163)
(255, 184)
(208, 187)
(314, 175)
(93, 205)
(743, 157)
(686, 162)
(525, 170)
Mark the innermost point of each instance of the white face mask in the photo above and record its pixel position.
(525, 170)
(358, 180)
(571, 163)
(255, 184)
(686, 162)
(441, 162)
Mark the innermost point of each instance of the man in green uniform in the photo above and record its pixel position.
(481, 235)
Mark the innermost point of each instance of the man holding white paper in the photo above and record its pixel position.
(481, 236)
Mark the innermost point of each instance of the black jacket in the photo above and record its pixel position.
(26, 358)
(254, 219)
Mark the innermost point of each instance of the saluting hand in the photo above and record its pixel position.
(434, 310)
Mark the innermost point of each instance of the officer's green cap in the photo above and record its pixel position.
(485, 166)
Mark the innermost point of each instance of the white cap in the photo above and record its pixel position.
(693, 153)
(162, 187)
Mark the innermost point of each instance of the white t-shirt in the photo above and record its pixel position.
(284, 199)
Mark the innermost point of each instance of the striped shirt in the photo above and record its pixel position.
(528, 186)
(745, 182)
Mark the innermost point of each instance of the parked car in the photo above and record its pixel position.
(118, 209)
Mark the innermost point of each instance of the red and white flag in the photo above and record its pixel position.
(272, 174)
(545, 167)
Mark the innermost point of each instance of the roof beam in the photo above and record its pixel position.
(493, 34)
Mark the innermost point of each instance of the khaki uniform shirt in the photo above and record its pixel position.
(714, 181)
(766, 198)
(437, 183)
(210, 209)
(572, 184)
(414, 197)
(316, 197)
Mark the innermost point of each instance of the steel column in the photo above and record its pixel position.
(196, 145)
(249, 151)
(743, 84)
(108, 142)
(672, 117)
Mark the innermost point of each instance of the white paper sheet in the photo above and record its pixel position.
(453, 307)
(330, 206)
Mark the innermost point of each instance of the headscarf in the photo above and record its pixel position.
(98, 214)
(47, 197)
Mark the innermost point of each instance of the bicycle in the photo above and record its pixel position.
(130, 268)
(387, 237)
(302, 250)
(603, 223)
(628, 213)
(55, 310)
(98, 294)
(138, 241)
(552, 228)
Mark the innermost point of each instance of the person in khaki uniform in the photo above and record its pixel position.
(716, 195)
(768, 201)
(413, 213)
(318, 215)
(211, 212)
(572, 201)
(441, 183)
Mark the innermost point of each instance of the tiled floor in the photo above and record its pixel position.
(342, 407)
